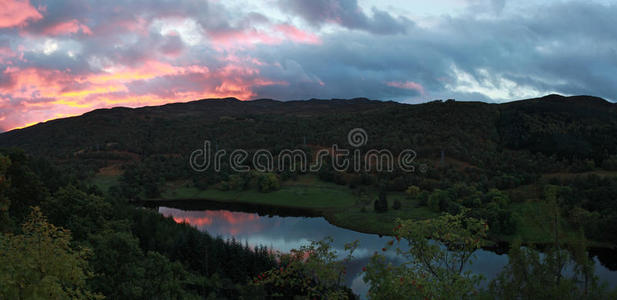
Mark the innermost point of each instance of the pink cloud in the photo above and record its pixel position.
(72, 26)
(248, 37)
(297, 35)
(6, 53)
(234, 222)
(33, 82)
(138, 25)
(408, 85)
(270, 36)
(30, 95)
(17, 13)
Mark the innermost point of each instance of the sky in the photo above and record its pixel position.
(64, 58)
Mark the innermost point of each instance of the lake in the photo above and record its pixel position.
(288, 230)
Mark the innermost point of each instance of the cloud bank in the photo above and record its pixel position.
(65, 58)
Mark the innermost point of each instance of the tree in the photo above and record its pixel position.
(164, 279)
(438, 200)
(397, 204)
(268, 182)
(412, 192)
(77, 211)
(25, 188)
(119, 269)
(313, 271)
(5, 220)
(432, 268)
(236, 182)
(40, 263)
(530, 275)
(497, 196)
(381, 204)
(610, 163)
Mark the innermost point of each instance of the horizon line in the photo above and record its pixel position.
(295, 100)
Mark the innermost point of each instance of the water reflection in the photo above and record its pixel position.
(286, 233)
(222, 222)
(278, 233)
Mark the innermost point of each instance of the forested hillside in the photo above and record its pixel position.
(539, 171)
(572, 128)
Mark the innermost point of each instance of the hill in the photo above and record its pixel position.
(571, 127)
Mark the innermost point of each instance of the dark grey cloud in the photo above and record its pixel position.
(565, 48)
(76, 65)
(172, 45)
(346, 13)
(486, 6)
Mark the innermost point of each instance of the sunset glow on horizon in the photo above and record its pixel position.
(60, 59)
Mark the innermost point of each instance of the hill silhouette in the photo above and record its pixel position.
(567, 127)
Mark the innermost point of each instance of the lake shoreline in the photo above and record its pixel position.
(499, 245)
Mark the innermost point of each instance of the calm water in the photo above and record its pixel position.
(289, 232)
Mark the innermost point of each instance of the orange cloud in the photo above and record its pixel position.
(43, 94)
(26, 125)
(17, 13)
(95, 90)
(18, 115)
(33, 83)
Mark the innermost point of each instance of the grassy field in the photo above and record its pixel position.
(340, 206)
(336, 203)
(367, 220)
(536, 224)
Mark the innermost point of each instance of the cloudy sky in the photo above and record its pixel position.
(62, 58)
